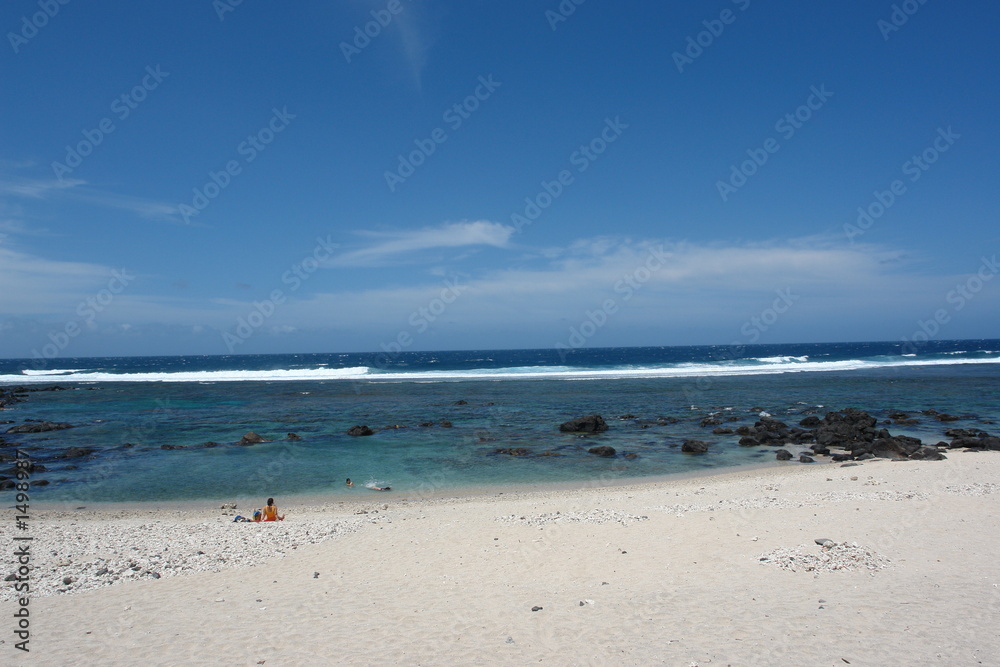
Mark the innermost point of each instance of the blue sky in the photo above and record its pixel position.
(202, 177)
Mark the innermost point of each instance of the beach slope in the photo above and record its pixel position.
(720, 570)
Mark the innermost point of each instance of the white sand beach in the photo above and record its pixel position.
(719, 570)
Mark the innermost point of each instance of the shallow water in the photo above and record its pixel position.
(128, 423)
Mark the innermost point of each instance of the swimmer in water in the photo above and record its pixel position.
(349, 482)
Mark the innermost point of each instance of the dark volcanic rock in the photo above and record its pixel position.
(822, 450)
(711, 421)
(603, 450)
(38, 427)
(770, 431)
(590, 424)
(294, 436)
(965, 433)
(800, 436)
(722, 430)
(694, 447)
(783, 455)
(812, 421)
(846, 428)
(927, 454)
(512, 451)
(75, 452)
(173, 447)
(631, 456)
(805, 459)
(894, 447)
(461, 402)
(251, 438)
(360, 430)
(444, 423)
(985, 442)
(946, 418)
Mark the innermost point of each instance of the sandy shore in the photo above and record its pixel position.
(720, 570)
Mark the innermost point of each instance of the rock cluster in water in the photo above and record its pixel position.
(846, 436)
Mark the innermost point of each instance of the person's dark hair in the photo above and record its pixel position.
(270, 501)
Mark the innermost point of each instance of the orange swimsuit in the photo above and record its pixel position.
(270, 513)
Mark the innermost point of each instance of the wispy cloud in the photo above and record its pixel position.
(414, 47)
(676, 281)
(662, 290)
(145, 208)
(36, 188)
(79, 190)
(33, 285)
(392, 246)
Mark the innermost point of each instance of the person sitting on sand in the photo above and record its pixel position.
(271, 512)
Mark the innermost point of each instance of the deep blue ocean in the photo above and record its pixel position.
(440, 417)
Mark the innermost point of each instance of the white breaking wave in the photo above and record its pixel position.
(57, 371)
(192, 376)
(780, 360)
(793, 365)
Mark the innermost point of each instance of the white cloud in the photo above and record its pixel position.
(145, 208)
(33, 285)
(656, 283)
(78, 190)
(391, 245)
(36, 188)
(663, 292)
